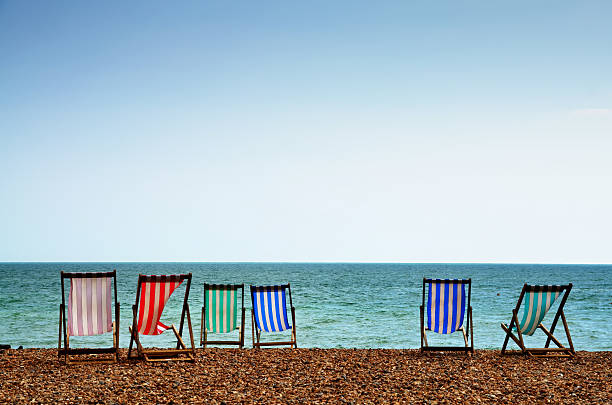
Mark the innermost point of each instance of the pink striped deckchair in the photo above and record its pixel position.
(152, 295)
(89, 313)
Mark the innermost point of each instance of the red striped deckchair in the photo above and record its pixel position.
(447, 304)
(152, 294)
(89, 313)
(538, 300)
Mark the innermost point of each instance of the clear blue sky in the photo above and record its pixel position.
(314, 131)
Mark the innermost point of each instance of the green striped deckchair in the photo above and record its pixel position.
(538, 299)
(220, 313)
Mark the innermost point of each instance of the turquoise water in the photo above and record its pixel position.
(337, 305)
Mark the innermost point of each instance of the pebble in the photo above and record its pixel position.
(310, 376)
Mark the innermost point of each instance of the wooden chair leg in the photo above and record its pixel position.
(139, 348)
(423, 331)
(507, 330)
(253, 327)
(422, 324)
(293, 330)
(202, 337)
(518, 330)
(465, 339)
(551, 337)
(116, 340)
(59, 339)
(557, 315)
(133, 333)
(179, 340)
(118, 323)
(471, 330)
(190, 330)
(67, 347)
(567, 333)
(509, 334)
(242, 329)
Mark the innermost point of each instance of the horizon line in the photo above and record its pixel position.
(313, 262)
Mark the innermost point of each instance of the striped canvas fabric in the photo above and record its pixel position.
(270, 307)
(221, 305)
(446, 304)
(153, 298)
(536, 305)
(89, 306)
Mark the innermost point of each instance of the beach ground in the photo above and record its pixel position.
(309, 376)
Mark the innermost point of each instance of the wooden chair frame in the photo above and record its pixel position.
(546, 351)
(204, 334)
(154, 355)
(467, 348)
(66, 350)
(256, 333)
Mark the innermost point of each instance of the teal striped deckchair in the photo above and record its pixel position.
(269, 313)
(447, 304)
(220, 313)
(538, 301)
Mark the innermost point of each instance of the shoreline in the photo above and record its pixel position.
(311, 376)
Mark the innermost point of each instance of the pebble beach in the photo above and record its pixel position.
(357, 376)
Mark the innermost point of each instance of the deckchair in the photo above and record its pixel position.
(89, 313)
(446, 307)
(219, 313)
(538, 300)
(269, 314)
(151, 296)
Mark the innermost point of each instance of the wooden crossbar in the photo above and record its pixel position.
(289, 342)
(164, 352)
(222, 342)
(78, 350)
(446, 349)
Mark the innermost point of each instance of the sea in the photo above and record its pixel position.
(338, 305)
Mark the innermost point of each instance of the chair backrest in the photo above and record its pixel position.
(270, 307)
(221, 307)
(154, 292)
(446, 304)
(537, 301)
(89, 303)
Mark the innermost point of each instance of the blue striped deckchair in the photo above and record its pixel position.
(446, 308)
(538, 301)
(220, 313)
(269, 313)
